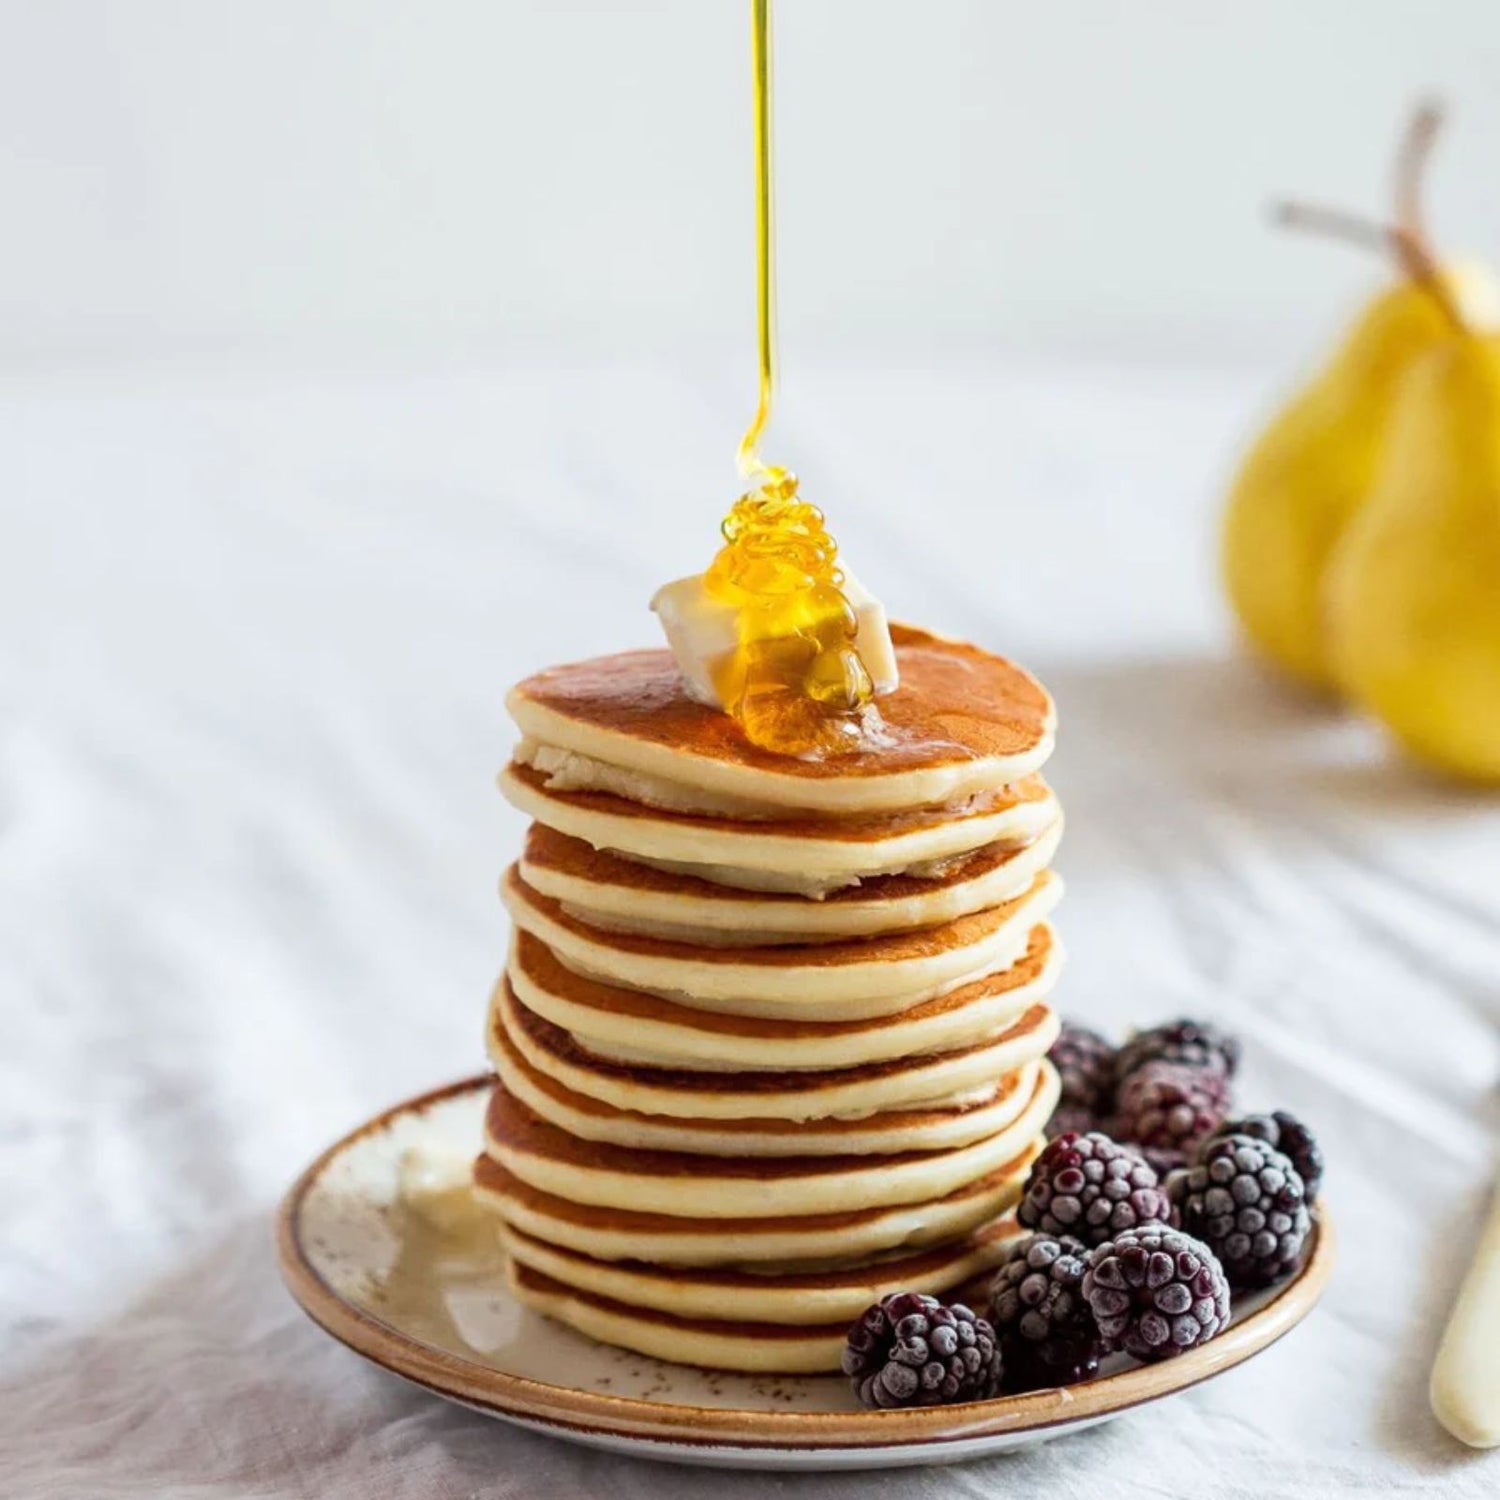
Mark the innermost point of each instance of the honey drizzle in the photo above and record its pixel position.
(795, 682)
(765, 237)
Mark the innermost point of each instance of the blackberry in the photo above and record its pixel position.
(1246, 1201)
(1156, 1292)
(1047, 1333)
(1070, 1119)
(909, 1349)
(1290, 1137)
(1164, 1160)
(1171, 1107)
(1092, 1187)
(1198, 1044)
(1085, 1063)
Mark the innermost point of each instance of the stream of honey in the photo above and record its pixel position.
(796, 683)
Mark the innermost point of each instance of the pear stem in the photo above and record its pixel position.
(1335, 224)
(1406, 240)
(1411, 168)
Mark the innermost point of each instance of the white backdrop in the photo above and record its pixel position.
(302, 180)
(256, 625)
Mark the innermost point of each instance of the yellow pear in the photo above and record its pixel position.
(1313, 467)
(1412, 594)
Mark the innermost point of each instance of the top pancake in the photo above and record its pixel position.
(961, 722)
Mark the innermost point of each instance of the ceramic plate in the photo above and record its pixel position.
(417, 1289)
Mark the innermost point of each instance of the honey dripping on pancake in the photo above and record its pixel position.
(795, 684)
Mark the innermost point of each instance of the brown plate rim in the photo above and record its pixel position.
(624, 1417)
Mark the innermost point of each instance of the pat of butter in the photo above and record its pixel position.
(703, 631)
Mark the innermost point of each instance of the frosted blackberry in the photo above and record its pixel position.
(1290, 1137)
(1246, 1201)
(1047, 1332)
(1085, 1063)
(1164, 1160)
(1091, 1187)
(1070, 1119)
(1156, 1292)
(909, 1349)
(1171, 1107)
(1197, 1044)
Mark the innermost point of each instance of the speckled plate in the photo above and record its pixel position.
(418, 1290)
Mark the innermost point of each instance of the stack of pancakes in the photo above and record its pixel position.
(771, 1038)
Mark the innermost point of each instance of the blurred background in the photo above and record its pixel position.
(370, 179)
(359, 357)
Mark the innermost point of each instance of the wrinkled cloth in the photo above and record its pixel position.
(255, 635)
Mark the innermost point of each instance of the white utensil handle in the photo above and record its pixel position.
(1465, 1390)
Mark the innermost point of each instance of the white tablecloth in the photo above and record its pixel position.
(254, 636)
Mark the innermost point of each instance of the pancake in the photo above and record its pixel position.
(781, 1094)
(850, 980)
(714, 1187)
(961, 722)
(568, 771)
(633, 1027)
(767, 1348)
(622, 895)
(796, 1297)
(805, 855)
(938, 1125)
(772, 1036)
(665, 1239)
